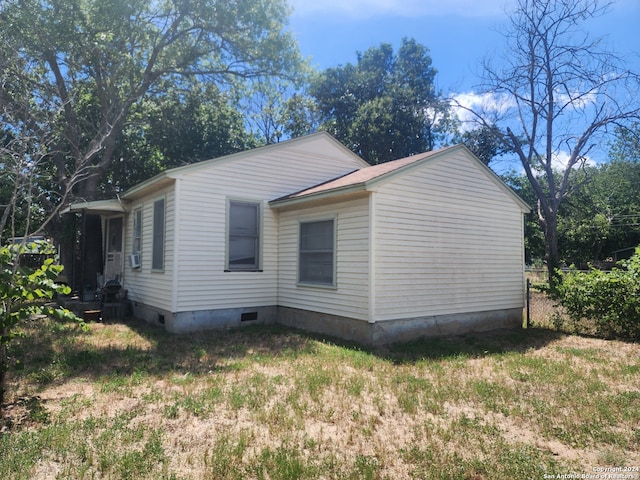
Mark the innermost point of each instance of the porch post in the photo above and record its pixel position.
(83, 254)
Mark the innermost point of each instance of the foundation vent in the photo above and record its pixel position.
(249, 316)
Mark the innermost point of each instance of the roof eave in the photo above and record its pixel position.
(312, 197)
(161, 180)
(168, 176)
(97, 207)
(427, 157)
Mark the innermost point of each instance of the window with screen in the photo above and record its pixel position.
(157, 256)
(243, 252)
(316, 263)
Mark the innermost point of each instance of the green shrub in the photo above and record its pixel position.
(28, 274)
(610, 299)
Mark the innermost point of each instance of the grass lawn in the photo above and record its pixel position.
(130, 401)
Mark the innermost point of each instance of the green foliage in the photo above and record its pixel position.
(610, 299)
(197, 113)
(603, 214)
(626, 145)
(25, 291)
(99, 59)
(385, 107)
(485, 142)
(549, 50)
(301, 115)
(275, 109)
(534, 241)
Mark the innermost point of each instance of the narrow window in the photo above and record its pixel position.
(135, 260)
(317, 253)
(137, 231)
(244, 236)
(157, 260)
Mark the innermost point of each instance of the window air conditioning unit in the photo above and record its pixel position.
(134, 260)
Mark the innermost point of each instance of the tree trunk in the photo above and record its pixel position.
(3, 374)
(552, 253)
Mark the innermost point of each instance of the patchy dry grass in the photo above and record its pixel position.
(131, 401)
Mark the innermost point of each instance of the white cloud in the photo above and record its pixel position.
(560, 160)
(492, 102)
(399, 8)
(489, 105)
(578, 99)
(492, 107)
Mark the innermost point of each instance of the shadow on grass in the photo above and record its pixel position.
(52, 353)
(475, 345)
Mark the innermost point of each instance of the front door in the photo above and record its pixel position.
(113, 264)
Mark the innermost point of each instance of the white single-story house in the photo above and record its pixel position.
(304, 233)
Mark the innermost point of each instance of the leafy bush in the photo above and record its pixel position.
(26, 288)
(610, 299)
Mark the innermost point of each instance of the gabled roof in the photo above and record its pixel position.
(357, 177)
(365, 178)
(168, 176)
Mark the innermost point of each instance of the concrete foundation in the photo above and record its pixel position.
(334, 325)
(185, 322)
(405, 330)
(379, 333)
(400, 330)
(150, 314)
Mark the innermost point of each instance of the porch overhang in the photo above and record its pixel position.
(97, 207)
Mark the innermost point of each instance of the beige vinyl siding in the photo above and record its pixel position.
(350, 298)
(201, 281)
(447, 240)
(144, 285)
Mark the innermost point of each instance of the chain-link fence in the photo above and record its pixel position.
(541, 310)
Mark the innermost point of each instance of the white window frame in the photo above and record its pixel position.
(258, 205)
(136, 240)
(159, 239)
(305, 282)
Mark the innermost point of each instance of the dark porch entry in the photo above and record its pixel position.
(95, 257)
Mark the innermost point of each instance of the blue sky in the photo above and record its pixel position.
(459, 33)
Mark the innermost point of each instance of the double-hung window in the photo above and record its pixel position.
(243, 251)
(157, 254)
(316, 262)
(136, 245)
(137, 231)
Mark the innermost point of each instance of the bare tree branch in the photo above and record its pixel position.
(566, 89)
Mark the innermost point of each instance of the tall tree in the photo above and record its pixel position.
(279, 108)
(534, 244)
(485, 142)
(104, 56)
(26, 142)
(301, 115)
(561, 92)
(604, 215)
(265, 104)
(626, 145)
(384, 107)
(202, 117)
